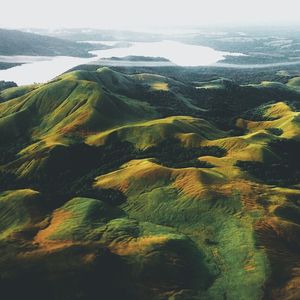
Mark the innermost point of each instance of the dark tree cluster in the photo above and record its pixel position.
(285, 171)
(6, 84)
(171, 153)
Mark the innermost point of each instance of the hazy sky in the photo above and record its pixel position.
(140, 14)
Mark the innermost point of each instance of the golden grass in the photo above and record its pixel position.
(136, 174)
(136, 245)
(248, 147)
(42, 237)
(189, 130)
(196, 182)
(143, 175)
(286, 119)
(278, 110)
(160, 86)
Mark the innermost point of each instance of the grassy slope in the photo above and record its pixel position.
(180, 233)
(146, 134)
(16, 210)
(66, 105)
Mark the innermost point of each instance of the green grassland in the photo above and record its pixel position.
(142, 186)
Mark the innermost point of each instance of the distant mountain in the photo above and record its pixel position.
(14, 42)
(88, 34)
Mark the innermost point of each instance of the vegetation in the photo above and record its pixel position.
(285, 171)
(7, 65)
(275, 131)
(171, 154)
(6, 84)
(14, 42)
(142, 186)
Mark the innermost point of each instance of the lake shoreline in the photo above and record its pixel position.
(37, 69)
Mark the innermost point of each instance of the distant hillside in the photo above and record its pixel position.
(6, 65)
(88, 34)
(14, 42)
(6, 84)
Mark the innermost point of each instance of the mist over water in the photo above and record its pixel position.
(178, 53)
(40, 69)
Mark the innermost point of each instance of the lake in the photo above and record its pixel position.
(42, 69)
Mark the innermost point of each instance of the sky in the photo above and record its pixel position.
(146, 14)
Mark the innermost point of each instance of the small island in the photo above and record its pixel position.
(135, 60)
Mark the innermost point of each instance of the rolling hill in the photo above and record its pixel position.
(142, 186)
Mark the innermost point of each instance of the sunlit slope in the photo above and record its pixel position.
(191, 131)
(281, 117)
(18, 211)
(294, 83)
(148, 248)
(177, 197)
(15, 92)
(69, 105)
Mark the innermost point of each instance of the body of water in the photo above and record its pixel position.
(42, 69)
